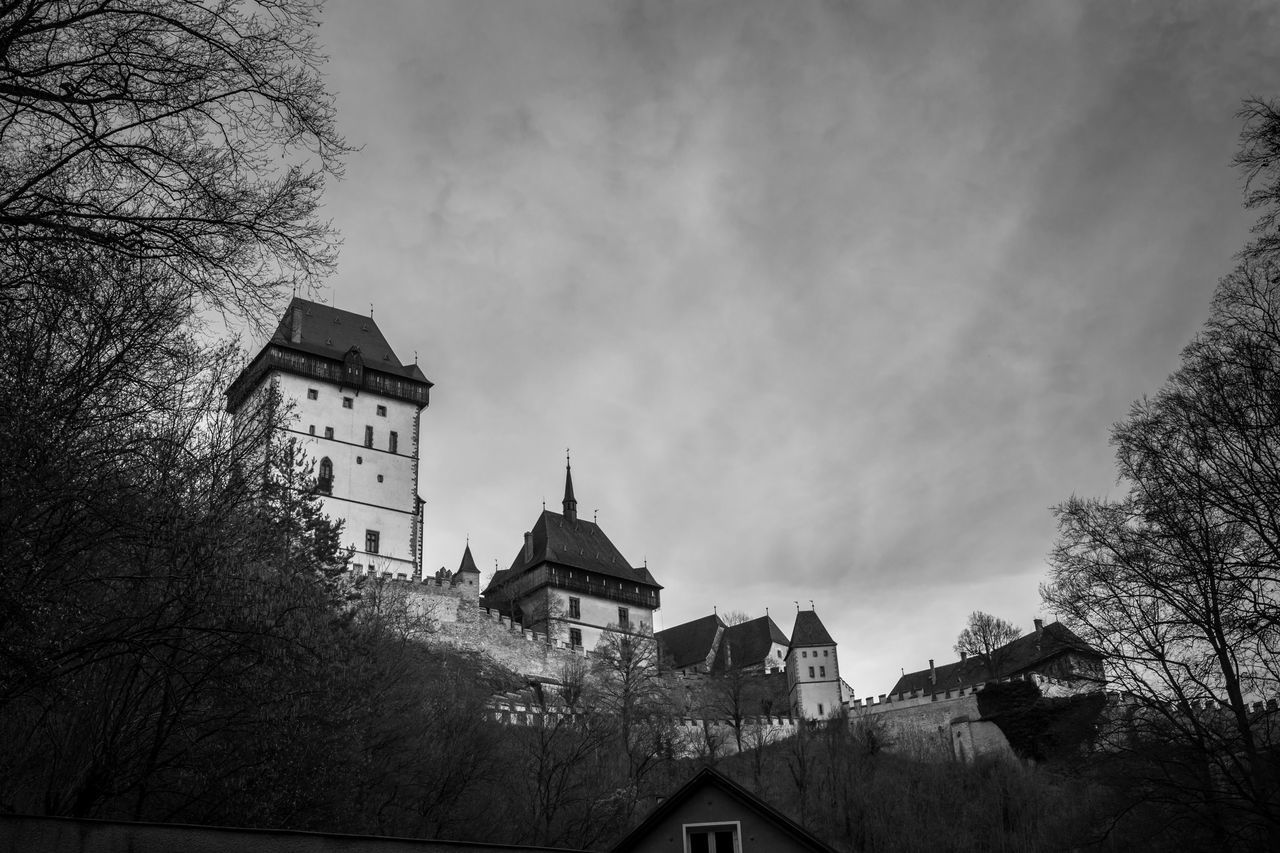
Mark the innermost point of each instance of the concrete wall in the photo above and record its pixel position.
(23, 834)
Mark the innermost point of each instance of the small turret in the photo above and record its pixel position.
(468, 576)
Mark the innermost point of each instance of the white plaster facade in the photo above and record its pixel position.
(813, 679)
(373, 487)
(355, 411)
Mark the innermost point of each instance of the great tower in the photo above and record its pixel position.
(355, 409)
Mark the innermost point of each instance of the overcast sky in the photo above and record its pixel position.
(831, 300)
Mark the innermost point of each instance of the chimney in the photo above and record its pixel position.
(1039, 625)
(528, 546)
(295, 326)
(963, 655)
(933, 673)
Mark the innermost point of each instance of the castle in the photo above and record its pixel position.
(355, 409)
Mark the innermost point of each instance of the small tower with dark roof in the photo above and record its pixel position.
(467, 578)
(813, 671)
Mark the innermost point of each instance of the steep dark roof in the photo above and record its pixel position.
(569, 502)
(689, 644)
(331, 332)
(705, 778)
(468, 563)
(1019, 656)
(577, 544)
(809, 631)
(750, 642)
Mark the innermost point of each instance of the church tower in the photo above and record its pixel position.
(813, 672)
(355, 409)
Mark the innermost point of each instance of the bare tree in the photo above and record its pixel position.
(984, 637)
(1178, 582)
(192, 138)
(1258, 160)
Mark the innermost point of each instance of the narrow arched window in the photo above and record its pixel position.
(325, 483)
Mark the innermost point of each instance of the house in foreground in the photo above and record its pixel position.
(713, 814)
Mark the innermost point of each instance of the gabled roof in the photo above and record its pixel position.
(809, 631)
(750, 643)
(709, 778)
(576, 544)
(1014, 658)
(689, 644)
(330, 332)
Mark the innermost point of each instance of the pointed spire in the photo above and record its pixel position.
(468, 563)
(570, 503)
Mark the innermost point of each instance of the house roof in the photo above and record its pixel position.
(689, 644)
(750, 642)
(1013, 658)
(577, 544)
(330, 332)
(709, 778)
(809, 631)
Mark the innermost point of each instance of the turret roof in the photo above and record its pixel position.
(809, 631)
(468, 563)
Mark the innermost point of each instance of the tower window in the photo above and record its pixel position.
(575, 638)
(394, 443)
(820, 711)
(623, 617)
(822, 672)
(824, 653)
(347, 402)
(575, 608)
(312, 429)
(371, 545)
(312, 394)
(382, 411)
(328, 432)
(325, 483)
(368, 436)
(811, 672)
(379, 478)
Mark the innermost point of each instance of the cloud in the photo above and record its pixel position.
(831, 300)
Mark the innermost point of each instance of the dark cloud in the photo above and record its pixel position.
(832, 300)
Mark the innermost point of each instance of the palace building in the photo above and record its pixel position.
(570, 582)
(354, 407)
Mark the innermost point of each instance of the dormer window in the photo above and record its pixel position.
(353, 367)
